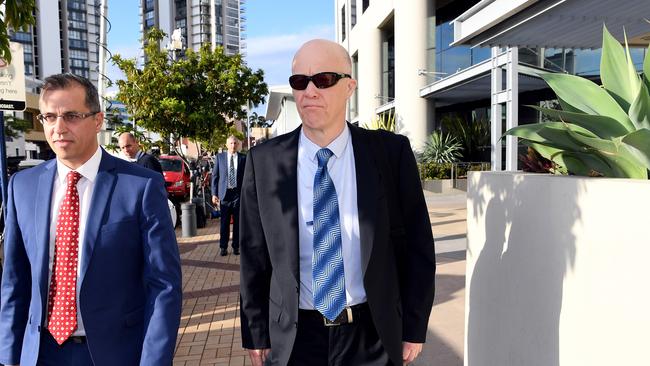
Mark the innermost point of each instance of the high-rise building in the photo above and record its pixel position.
(218, 22)
(64, 39)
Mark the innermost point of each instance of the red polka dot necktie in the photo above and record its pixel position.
(62, 305)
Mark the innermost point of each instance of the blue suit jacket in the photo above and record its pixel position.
(220, 174)
(130, 294)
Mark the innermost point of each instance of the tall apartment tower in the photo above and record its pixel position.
(64, 39)
(218, 22)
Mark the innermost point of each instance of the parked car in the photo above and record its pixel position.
(177, 176)
(29, 163)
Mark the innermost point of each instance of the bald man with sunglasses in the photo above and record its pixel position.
(337, 253)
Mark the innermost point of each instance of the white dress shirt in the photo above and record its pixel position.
(342, 170)
(234, 159)
(85, 187)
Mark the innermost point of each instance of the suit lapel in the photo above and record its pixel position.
(42, 221)
(368, 181)
(287, 186)
(98, 204)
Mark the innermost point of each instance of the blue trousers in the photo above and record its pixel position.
(69, 353)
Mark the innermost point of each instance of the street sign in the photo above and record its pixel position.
(12, 80)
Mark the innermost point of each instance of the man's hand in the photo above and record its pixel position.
(215, 201)
(258, 356)
(410, 351)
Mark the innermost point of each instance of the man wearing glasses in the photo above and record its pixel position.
(337, 253)
(92, 272)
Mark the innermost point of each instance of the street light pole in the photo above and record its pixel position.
(248, 123)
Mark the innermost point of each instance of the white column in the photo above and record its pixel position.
(512, 106)
(410, 56)
(49, 42)
(369, 78)
(495, 113)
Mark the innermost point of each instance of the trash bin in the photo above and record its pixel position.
(188, 219)
(200, 212)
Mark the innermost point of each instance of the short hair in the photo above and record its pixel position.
(63, 81)
(233, 137)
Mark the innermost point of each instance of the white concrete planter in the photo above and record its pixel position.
(558, 271)
(444, 185)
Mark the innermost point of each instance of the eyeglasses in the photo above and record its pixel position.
(322, 80)
(68, 117)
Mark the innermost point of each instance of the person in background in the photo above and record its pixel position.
(92, 273)
(337, 254)
(226, 178)
(131, 149)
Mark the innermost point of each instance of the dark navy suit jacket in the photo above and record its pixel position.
(220, 174)
(130, 294)
(149, 161)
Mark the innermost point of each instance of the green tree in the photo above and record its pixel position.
(17, 14)
(197, 96)
(15, 127)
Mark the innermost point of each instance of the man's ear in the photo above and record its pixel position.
(352, 84)
(99, 121)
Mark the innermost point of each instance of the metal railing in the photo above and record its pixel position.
(459, 170)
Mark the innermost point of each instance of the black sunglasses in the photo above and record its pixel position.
(321, 80)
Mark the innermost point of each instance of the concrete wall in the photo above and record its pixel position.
(557, 270)
(288, 120)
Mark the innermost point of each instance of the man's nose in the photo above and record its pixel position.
(311, 90)
(59, 125)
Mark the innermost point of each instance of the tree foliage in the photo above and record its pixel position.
(197, 96)
(17, 14)
(15, 127)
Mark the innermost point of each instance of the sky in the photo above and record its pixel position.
(274, 31)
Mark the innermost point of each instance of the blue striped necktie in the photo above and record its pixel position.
(327, 260)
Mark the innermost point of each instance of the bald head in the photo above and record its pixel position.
(327, 52)
(129, 145)
(322, 108)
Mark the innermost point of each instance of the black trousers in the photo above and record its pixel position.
(229, 207)
(354, 344)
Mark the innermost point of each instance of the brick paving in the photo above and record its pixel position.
(209, 330)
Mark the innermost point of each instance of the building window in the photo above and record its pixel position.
(354, 101)
(353, 13)
(343, 23)
(388, 64)
(77, 4)
(364, 5)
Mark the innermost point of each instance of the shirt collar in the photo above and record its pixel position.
(88, 170)
(337, 146)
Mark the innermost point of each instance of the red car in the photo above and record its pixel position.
(177, 176)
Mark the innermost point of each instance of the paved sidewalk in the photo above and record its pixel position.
(209, 331)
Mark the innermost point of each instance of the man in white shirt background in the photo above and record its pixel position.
(227, 176)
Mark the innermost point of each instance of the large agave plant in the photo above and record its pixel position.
(441, 149)
(601, 130)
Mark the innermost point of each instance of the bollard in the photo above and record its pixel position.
(188, 219)
(200, 212)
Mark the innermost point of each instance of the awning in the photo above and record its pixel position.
(274, 103)
(474, 84)
(552, 23)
